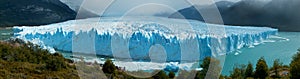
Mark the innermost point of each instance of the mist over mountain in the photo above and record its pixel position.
(117, 8)
(281, 14)
(33, 12)
(75, 6)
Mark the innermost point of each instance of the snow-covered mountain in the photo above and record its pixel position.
(144, 37)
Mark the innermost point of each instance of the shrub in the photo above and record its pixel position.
(171, 75)
(214, 71)
(295, 66)
(160, 75)
(109, 67)
(275, 68)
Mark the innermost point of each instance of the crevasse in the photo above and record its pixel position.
(133, 37)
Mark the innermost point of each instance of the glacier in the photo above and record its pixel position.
(144, 38)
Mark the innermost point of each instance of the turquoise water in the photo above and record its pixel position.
(5, 33)
(281, 49)
(276, 48)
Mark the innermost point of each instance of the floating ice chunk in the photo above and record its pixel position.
(199, 69)
(172, 66)
(236, 53)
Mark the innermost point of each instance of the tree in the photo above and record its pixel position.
(109, 67)
(276, 66)
(171, 75)
(211, 69)
(295, 66)
(160, 75)
(238, 72)
(261, 69)
(249, 70)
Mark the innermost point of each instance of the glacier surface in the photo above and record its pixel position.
(144, 38)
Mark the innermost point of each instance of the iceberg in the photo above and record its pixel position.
(144, 38)
(172, 66)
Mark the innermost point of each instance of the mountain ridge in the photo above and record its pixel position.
(33, 12)
(251, 13)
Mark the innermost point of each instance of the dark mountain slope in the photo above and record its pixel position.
(281, 14)
(33, 12)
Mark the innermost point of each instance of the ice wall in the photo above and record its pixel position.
(144, 38)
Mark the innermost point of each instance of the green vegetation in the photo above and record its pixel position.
(277, 71)
(261, 69)
(25, 60)
(109, 67)
(238, 72)
(295, 66)
(211, 69)
(276, 66)
(161, 75)
(249, 70)
(171, 75)
(111, 71)
(17, 13)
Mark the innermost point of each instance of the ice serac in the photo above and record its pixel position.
(143, 38)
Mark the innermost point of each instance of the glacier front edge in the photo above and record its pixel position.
(143, 38)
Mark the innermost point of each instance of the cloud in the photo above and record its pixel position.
(144, 7)
(151, 9)
(281, 14)
(120, 7)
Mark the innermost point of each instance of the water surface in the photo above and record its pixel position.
(280, 49)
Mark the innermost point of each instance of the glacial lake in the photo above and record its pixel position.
(279, 49)
(276, 48)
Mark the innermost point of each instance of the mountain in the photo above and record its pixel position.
(192, 12)
(33, 12)
(75, 6)
(281, 14)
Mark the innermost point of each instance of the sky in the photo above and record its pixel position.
(136, 7)
(279, 12)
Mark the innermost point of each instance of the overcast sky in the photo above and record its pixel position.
(137, 7)
(150, 7)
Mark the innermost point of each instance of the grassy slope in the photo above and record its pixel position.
(20, 60)
(26, 60)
